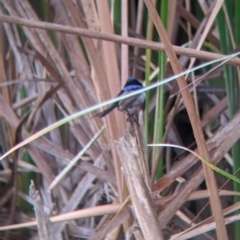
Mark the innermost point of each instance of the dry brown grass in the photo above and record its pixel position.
(109, 191)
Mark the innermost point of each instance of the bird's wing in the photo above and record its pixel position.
(128, 102)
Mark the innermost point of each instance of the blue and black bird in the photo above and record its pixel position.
(129, 105)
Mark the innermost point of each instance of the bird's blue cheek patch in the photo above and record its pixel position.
(132, 87)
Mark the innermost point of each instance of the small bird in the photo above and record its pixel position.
(128, 105)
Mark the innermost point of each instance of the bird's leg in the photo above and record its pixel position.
(135, 118)
(132, 118)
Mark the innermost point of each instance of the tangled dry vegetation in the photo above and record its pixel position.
(94, 178)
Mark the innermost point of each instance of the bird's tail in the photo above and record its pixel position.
(108, 110)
